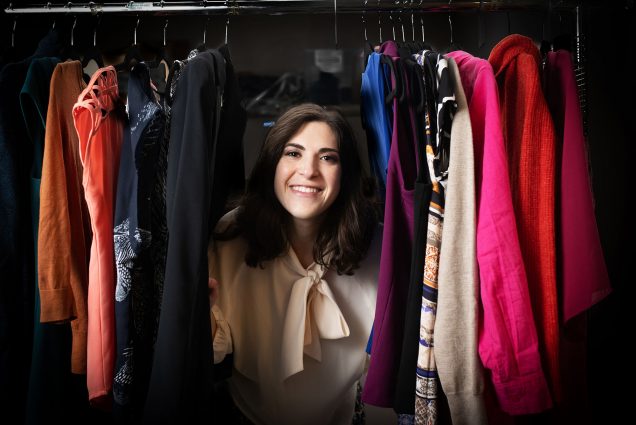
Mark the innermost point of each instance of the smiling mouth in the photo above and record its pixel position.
(305, 189)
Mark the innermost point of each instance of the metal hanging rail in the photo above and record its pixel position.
(277, 7)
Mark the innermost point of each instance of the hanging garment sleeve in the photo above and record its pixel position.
(181, 383)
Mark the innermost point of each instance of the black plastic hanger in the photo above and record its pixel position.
(397, 89)
(162, 54)
(133, 54)
(93, 53)
(160, 67)
(70, 52)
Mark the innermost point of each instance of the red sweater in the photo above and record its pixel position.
(530, 143)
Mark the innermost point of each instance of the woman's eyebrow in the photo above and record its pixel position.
(295, 145)
(321, 150)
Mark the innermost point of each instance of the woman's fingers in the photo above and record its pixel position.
(213, 290)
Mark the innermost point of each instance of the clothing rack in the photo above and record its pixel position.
(286, 6)
(277, 7)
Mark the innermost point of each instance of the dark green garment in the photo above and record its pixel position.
(16, 246)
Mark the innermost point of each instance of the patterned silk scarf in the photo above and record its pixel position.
(439, 117)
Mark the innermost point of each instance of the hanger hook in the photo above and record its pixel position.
(227, 24)
(392, 24)
(422, 23)
(364, 21)
(99, 19)
(165, 29)
(412, 22)
(335, 22)
(399, 15)
(73, 31)
(15, 23)
(450, 22)
(135, 32)
(379, 21)
(205, 29)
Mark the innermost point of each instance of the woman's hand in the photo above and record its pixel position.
(213, 290)
(213, 294)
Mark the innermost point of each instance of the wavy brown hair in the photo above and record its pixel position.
(347, 230)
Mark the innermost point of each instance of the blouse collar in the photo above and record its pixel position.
(312, 314)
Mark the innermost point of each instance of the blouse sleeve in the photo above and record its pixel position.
(222, 343)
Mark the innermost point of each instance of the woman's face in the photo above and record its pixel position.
(307, 180)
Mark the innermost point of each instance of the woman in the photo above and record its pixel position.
(293, 275)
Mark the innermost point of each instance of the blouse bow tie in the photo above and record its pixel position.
(312, 314)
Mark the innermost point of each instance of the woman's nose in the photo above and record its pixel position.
(308, 168)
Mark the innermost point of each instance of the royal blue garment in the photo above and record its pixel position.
(377, 117)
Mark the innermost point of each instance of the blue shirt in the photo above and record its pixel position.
(377, 117)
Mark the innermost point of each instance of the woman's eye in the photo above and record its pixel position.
(293, 154)
(329, 158)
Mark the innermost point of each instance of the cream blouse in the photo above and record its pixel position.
(298, 334)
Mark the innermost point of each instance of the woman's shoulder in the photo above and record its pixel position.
(226, 241)
(227, 221)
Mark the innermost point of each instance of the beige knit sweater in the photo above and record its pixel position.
(456, 355)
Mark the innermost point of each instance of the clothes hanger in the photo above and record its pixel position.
(397, 78)
(368, 46)
(203, 46)
(160, 67)
(70, 52)
(133, 54)
(412, 44)
(403, 49)
(453, 45)
(92, 59)
(422, 45)
(11, 53)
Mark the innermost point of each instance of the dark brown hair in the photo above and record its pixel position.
(347, 230)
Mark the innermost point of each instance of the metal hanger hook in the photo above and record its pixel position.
(379, 21)
(73, 31)
(99, 19)
(15, 23)
(412, 22)
(135, 33)
(227, 24)
(397, 2)
(364, 21)
(205, 29)
(335, 22)
(165, 29)
(450, 21)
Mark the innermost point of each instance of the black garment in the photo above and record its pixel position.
(16, 236)
(136, 294)
(229, 170)
(404, 402)
(181, 382)
(432, 125)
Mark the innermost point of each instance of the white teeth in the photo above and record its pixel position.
(305, 189)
